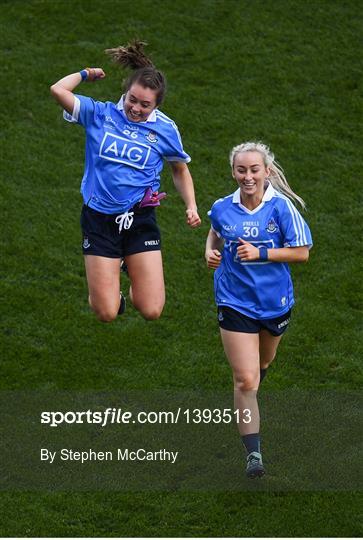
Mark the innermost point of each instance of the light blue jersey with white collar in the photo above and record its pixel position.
(123, 158)
(258, 289)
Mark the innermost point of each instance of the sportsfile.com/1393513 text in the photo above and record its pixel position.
(120, 416)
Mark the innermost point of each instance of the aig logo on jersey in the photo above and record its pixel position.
(272, 226)
(121, 150)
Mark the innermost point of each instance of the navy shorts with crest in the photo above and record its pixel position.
(230, 319)
(118, 235)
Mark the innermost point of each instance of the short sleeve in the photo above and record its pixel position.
(294, 228)
(84, 110)
(213, 216)
(174, 147)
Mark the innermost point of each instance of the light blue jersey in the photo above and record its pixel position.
(123, 158)
(261, 290)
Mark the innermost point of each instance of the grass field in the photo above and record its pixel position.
(286, 72)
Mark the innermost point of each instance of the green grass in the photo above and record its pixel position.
(286, 72)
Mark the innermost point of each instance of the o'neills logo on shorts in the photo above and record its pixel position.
(152, 242)
(283, 323)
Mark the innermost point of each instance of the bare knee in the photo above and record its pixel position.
(151, 313)
(149, 310)
(246, 381)
(266, 358)
(268, 348)
(265, 362)
(103, 313)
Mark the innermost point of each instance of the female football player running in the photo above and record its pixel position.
(126, 143)
(256, 231)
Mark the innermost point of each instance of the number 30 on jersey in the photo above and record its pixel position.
(250, 232)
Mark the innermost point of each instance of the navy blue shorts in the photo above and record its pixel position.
(118, 235)
(233, 320)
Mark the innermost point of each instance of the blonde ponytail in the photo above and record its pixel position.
(277, 177)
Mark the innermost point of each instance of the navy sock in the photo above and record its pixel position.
(263, 373)
(251, 442)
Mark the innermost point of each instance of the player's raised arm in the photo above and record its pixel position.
(62, 90)
(127, 143)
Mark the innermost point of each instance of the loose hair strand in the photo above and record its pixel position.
(277, 176)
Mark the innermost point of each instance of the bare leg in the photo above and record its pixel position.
(242, 351)
(103, 278)
(147, 291)
(268, 348)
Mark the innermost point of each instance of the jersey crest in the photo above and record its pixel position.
(151, 137)
(272, 226)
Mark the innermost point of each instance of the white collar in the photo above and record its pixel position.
(150, 118)
(267, 196)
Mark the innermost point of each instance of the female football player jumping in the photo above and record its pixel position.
(126, 143)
